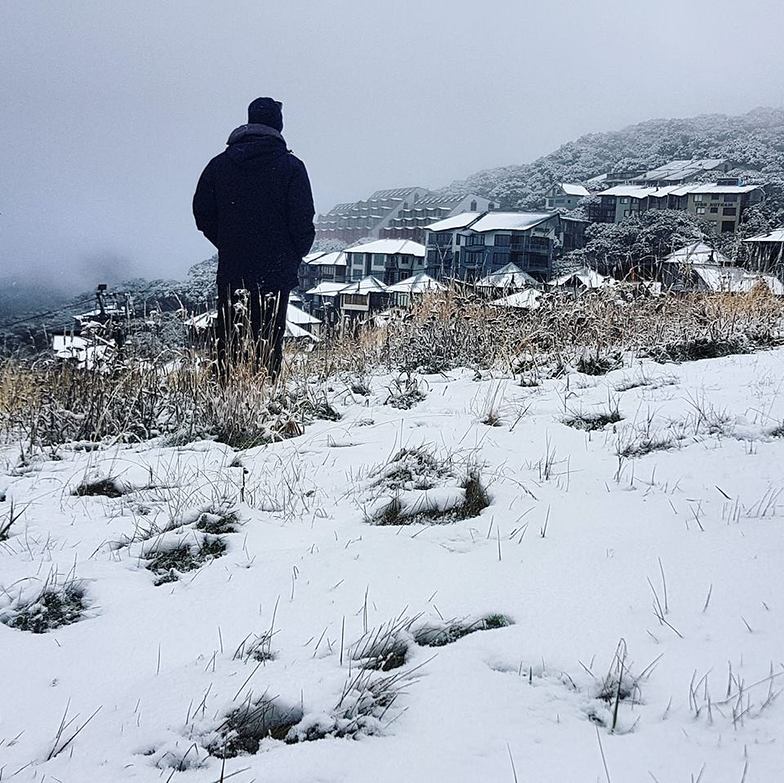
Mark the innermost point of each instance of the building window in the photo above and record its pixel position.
(727, 226)
(502, 240)
(700, 210)
(714, 210)
(458, 239)
(473, 206)
(698, 196)
(625, 200)
(730, 211)
(731, 197)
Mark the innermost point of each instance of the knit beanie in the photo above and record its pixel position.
(266, 111)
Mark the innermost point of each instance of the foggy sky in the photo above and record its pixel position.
(110, 110)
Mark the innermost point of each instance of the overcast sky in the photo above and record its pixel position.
(111, 109)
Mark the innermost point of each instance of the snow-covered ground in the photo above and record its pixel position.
(645, 591)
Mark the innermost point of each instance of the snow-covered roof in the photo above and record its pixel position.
(311, 257)
(638, 191)
(522, 300)
(714, 188)
(203, 320)
(293, 316)
(390, 247)
(585, 277)
(296, 316)
(294, 332)
(337, 258)
(367, 285)
(574, 190)
(462, 220)
(509, 276)
(735, 280)
(510, 221)
(417, 284)
(776, 235)
(326, 288)
(697, 253)
(641, 191)
(682, 169)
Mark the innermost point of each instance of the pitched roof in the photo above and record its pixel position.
(296, 316)
(298, 333)
(463, 220)
(510, 221)
(509, 276)
(417, 284)
(574, 190)
(679, 170)
(367, 285)
(776, 235)
(337, 258)
(326, 288)
(521, 300)
(390, 247)
(697, 253)
(735, 280)
(642, 191)
(585, 277)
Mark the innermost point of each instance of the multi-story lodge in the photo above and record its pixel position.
(401, 213)
(322, 267)
(720, 204)
(389, 260)
(475, 244)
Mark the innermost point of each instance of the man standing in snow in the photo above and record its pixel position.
(254, 203)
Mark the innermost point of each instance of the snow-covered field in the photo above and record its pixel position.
(615, 613)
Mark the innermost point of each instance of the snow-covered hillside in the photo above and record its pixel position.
(615, 613)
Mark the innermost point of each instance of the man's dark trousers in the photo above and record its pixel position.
(251, 327)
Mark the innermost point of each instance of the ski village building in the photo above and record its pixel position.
(400, 213)
(720, 204)
(565, 196)
(390, 260)
(476, 244)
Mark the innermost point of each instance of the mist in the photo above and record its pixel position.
(111, 110)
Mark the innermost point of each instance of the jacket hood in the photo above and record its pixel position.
(254, 141)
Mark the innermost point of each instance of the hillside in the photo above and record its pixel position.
(754, 142)
(267, 614)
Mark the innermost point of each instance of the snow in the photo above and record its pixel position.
(390, 247)
(366, 285)
(640, 191)
(776, 235)
(295, 332)
(506, 221)
(462, 220)
(508, 276)
(574, 190)
(678, 553)
(697, 253)
(330, 259)
(733, 279)
(584, 277)
(417, 284)
(294, 315)
(326, 288)
(523, 300)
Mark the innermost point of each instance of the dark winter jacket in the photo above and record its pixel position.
(254, 203)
